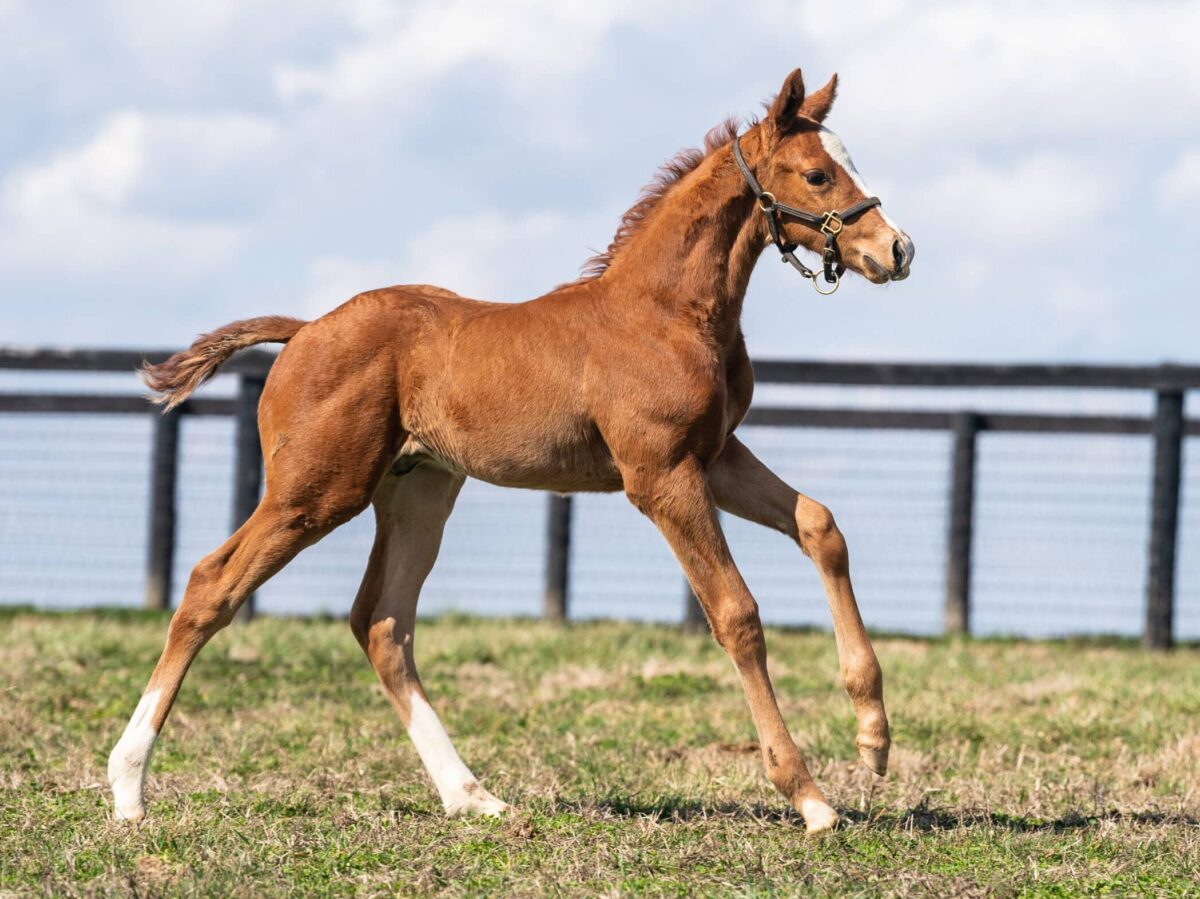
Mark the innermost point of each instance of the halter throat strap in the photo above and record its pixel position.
(829, 223)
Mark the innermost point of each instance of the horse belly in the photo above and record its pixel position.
(521, 450)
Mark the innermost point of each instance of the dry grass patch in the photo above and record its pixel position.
(1019, 768)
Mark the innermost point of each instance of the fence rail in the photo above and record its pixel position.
(1167, 427)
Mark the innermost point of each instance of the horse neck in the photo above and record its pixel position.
(695, 252)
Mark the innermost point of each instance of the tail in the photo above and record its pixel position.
(176, 379)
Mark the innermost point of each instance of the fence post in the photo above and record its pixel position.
(247, 470)
(962, 515)
(693, 615)
(1164, 519)
(160, 544)
(558, 556)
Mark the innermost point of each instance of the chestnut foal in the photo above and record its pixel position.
(631, 378)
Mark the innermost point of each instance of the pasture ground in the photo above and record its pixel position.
(1018, 769)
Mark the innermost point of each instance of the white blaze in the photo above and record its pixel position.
(130, 759)
(837, 152)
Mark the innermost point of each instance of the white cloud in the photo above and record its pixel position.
(528, 125)
(332, 280)
(936, 71)
(402, 50)
(1082, 317)
(1026, 201)
(487, 255)
(100, 173)
(495, 256)
(1180, 186)
(85, 209)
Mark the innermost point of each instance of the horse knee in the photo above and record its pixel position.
(820, 538)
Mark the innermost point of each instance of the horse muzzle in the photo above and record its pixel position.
(903, 252)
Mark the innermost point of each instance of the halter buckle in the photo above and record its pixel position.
(833, 224)
(766, 201)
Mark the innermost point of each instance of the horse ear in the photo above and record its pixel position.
(817, 105)
(787, 105)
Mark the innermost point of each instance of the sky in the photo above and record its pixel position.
(167, 167)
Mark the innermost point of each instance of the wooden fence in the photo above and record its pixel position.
(1167, 426)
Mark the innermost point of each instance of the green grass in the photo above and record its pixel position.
(1018, 768)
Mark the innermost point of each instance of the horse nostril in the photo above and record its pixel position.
(898, 254)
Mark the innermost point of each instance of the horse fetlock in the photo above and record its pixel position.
(862, 679)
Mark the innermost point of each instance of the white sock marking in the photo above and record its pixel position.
(817, 815)
(454, 781)
(130, 759)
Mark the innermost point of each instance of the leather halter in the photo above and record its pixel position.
(830, 224)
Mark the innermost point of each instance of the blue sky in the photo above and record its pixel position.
(167, 167)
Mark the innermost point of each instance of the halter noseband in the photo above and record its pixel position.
(830, 224)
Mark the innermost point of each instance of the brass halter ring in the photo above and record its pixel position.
(816, 283)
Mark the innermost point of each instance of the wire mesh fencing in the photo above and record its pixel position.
(1059, 543)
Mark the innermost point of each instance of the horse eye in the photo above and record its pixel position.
(816, 177)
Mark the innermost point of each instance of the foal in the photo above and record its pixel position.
(631, 378)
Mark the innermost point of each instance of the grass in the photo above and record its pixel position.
(1018, 768)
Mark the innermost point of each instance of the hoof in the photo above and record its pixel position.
(475, 800)
(875, 759)
(818, 816)
(129, 813)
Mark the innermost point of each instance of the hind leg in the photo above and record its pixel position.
(410, 514)
(306, 498)
(217, 587)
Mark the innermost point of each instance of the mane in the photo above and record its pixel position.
(669, 174)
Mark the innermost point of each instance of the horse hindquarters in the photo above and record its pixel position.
(326, 444)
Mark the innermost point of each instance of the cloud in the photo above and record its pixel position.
(118, 203)
(403, 48)
(1013, 71)
(332, 280)
(1180, 186)
(1025, 201)
(264, 155)
(487, 254)
(496, 256)
(100, 173)
(1086, 317)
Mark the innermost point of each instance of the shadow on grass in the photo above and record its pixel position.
(918, 818)
(930, 820)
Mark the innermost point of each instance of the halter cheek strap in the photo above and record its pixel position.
(830, 224)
